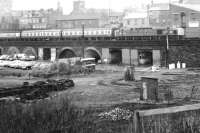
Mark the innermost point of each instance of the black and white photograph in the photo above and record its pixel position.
(99, 66)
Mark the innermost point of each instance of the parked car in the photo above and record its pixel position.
(88, 64)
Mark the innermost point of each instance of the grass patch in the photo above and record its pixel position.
(53, 117)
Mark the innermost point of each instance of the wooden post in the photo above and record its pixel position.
(137, 124)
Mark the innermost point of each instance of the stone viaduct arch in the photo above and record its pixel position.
(92, 52)
(67, 52)
(30, 51)
(13, 50)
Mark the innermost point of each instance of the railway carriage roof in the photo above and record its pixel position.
(52, 30)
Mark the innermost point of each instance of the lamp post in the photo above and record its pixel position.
(167, 47)
(83, 35)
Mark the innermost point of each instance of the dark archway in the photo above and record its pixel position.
(13, 50)
(92, 53)
(29, 51)
(116, 56)
(67, 53)
(145, 57)
(1, 50)
(47, 53)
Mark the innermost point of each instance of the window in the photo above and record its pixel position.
(176, 16)
(142, 20)
(193, 16)
(135, 21)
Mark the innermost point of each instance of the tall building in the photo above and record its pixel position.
(40, 19)
(5, 7)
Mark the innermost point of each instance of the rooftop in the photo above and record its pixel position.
(136, 15)
(160, 7)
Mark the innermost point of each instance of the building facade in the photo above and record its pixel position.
(5, 7)
(40, 19)
(136, 20)
(89, 18)
(174, 15)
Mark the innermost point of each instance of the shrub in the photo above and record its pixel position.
(129, 74)
(64, 68)
(53, 67)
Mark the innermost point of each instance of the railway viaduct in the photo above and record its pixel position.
(119, 52)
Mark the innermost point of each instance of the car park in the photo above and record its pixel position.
(4, 57)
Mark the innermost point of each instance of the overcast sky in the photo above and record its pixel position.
(117, 5)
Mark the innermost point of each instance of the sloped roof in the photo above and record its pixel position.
(79, 17)
(191, 2)
(189, 6)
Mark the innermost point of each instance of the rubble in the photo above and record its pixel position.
(37, 90)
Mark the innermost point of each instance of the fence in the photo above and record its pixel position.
(179, 119)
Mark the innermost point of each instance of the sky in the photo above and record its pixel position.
(117, 5)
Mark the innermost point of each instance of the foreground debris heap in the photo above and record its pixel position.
(37, 90)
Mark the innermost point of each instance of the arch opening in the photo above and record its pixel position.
(145, 57)
(29, 51)
(1, 50)
(116, 56)
(46, 53)
(13, 50)
(90, 53)
(67, 53)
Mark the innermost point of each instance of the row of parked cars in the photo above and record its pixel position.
(23, 57)
(19, 61)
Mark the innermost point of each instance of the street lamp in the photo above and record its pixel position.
(83, 28)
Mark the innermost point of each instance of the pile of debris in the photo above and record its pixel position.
(37, 90)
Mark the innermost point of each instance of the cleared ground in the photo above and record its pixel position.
(107, 87)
